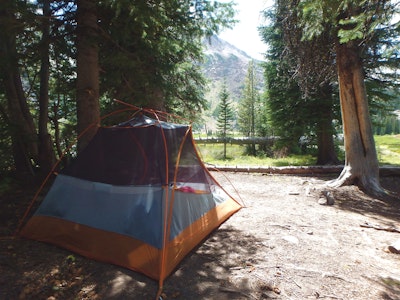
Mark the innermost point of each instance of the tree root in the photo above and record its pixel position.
(369, 185)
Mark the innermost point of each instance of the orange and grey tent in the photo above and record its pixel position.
(137, 196)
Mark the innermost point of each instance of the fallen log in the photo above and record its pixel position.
(384, 171)
(290, 170)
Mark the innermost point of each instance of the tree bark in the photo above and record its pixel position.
(46, 151)
(156, 101)
(87, 98)
(361, 162)
(326, 146)
(23, 131)
(24, 139)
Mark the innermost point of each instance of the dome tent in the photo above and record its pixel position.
(137, 196)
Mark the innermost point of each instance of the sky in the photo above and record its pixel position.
(245, 34)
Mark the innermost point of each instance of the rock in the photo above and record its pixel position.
(291, 239)
(322, 201)
(395, 247)
(326, 199)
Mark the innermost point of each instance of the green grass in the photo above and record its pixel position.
(388, 150)
(213, 154)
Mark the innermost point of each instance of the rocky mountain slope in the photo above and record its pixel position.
(226, 63)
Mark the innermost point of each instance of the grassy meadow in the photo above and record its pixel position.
(388, 150)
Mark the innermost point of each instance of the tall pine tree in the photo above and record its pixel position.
(349, 26)
(300, 76)
(226, 116)
(248, 107)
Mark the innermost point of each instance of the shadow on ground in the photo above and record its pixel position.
(34, 270)
(352, 199)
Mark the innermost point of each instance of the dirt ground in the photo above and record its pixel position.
(282, 245)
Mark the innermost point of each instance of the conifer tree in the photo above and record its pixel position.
(248, 107)
(349, 27)
(352, 24)
(144, 52)
(226, 116)
(300, 76)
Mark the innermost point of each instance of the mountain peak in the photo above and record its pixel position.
(226, 63)
(215, 45)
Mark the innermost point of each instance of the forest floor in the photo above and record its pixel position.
(282, 245)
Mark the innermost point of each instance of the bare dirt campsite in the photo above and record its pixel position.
(282, 245)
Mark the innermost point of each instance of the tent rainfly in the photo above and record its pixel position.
(137, 196)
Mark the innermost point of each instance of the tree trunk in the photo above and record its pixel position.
(88, 107)
(326, 146)
(24, 139)
(253, 97)
(23, 132)
(361, 162)
(56, 125)
(156, 101)
(46, 151)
